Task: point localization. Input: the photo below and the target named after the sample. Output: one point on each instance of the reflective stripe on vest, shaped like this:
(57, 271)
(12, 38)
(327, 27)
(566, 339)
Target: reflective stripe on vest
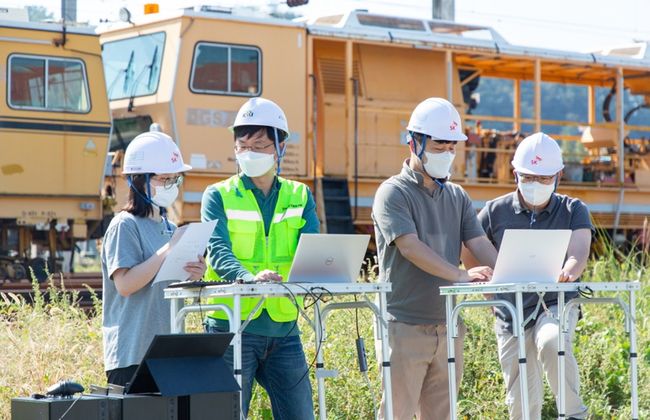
(257, 251)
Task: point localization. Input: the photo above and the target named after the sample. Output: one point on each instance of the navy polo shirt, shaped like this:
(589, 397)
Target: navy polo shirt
(506, 212)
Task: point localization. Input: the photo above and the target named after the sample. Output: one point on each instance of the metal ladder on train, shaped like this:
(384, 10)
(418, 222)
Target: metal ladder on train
(336, 200)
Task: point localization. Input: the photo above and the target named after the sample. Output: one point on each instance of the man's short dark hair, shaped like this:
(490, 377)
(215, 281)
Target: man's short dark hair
(244, 131)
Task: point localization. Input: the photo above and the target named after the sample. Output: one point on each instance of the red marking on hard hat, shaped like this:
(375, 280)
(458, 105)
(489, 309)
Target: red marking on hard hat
(174, 157)
(453, 125)
(536, 160)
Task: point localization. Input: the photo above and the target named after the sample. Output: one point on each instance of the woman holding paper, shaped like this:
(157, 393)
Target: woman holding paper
(135, 245)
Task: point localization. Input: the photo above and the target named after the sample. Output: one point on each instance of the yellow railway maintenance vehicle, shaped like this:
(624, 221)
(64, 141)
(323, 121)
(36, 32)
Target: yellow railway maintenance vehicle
(348, 84)
(54, 131)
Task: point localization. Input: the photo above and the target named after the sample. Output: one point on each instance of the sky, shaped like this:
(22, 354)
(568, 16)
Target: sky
(575, 25)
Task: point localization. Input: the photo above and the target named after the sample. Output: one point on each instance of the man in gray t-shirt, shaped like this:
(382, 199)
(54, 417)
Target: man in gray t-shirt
(421, 220)
(535, 205)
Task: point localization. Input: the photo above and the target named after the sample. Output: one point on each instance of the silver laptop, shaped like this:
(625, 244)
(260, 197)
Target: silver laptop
(531, 256)
(328, 258)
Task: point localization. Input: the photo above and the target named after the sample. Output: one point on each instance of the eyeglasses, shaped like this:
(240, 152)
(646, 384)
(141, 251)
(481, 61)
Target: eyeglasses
(169, 181)
(526, 178)
(254, 148)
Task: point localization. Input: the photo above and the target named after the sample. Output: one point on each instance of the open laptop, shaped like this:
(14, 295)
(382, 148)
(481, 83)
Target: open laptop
(328, 258)
(531, 256)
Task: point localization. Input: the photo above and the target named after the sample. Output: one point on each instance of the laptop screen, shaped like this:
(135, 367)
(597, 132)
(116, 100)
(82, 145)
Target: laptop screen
(328, 258)
(531, 255)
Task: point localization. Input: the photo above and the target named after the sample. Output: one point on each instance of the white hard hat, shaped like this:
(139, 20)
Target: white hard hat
(153, 152)
(260, 111)
(538, 154)
(438, 118)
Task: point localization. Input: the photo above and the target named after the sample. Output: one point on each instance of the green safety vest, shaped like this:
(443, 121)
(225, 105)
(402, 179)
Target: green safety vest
(256, 250)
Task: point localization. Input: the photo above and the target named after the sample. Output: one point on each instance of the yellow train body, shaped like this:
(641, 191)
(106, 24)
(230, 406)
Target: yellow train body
(348, 84)
(54, 131)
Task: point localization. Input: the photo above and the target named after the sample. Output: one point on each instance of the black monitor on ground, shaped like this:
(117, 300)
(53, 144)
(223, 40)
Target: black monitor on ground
(184, 364)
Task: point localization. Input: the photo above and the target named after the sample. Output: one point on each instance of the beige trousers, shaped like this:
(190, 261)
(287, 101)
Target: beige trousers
(419, 376)
(541, 357)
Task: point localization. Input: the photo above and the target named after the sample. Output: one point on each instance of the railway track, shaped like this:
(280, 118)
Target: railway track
(78, 282)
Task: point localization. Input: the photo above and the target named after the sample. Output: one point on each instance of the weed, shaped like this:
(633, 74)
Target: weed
(53, 339)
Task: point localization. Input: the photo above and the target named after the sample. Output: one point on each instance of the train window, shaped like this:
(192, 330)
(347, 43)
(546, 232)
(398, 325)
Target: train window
(132, 65)
(48, 83)
(125, 130)
(226, 69)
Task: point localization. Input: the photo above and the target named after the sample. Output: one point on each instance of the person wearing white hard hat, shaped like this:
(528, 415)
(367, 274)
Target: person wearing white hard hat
(134, 247)
(261, 216)
(534, 204)
(421, 219)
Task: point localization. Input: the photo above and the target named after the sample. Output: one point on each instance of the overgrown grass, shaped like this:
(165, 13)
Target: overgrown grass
(45, 342)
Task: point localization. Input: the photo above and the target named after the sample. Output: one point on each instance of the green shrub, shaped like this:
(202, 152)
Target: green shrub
(45, 342)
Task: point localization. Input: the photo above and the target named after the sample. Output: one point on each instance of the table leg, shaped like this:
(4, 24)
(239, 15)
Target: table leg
(633, 358)
(175, 306)
(561, 397)
(237, 342)
(320, 366)
(523, 377)
(385, 355)
(451, 357)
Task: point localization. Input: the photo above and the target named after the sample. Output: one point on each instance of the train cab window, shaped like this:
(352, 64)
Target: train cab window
(132, 65)
(48, 83)
(226, 69)
(125, 130)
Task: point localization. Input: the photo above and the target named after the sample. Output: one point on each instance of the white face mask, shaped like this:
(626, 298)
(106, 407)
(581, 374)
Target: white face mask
(438, 164)
(164, 197)
(535, 193)
(255, 164)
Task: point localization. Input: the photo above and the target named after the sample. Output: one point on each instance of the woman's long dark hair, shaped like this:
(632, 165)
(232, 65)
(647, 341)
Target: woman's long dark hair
(136, 203)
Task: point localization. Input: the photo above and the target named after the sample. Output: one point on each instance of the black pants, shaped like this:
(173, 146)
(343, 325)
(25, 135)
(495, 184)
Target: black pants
(121, 376)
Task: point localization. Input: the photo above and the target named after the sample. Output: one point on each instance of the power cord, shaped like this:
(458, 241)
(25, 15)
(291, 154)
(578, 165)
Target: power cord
(316, 297)
(201, 289)
(70, 407)
(372, 394)
(586, 292)
(361, 347)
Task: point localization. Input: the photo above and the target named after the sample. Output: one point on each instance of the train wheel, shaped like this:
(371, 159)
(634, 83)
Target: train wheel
(39, 268)
(19, 272)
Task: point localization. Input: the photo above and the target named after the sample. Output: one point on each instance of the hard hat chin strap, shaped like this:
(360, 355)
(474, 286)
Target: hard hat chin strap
(280, 152)
(147, 198)
(413, 144)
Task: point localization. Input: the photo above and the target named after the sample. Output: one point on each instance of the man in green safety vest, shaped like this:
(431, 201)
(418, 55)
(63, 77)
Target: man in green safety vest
(261, 217)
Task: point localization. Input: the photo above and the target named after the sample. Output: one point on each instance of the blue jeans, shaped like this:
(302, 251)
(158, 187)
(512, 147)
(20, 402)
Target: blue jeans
(278, 365)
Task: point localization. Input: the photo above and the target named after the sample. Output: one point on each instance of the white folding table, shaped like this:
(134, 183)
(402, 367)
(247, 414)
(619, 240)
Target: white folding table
(619, 289)
(179, 312)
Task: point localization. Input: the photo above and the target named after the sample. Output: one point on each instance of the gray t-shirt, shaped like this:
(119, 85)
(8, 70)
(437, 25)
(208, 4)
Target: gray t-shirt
(506, 212)
(442, 220)
(130, 323)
